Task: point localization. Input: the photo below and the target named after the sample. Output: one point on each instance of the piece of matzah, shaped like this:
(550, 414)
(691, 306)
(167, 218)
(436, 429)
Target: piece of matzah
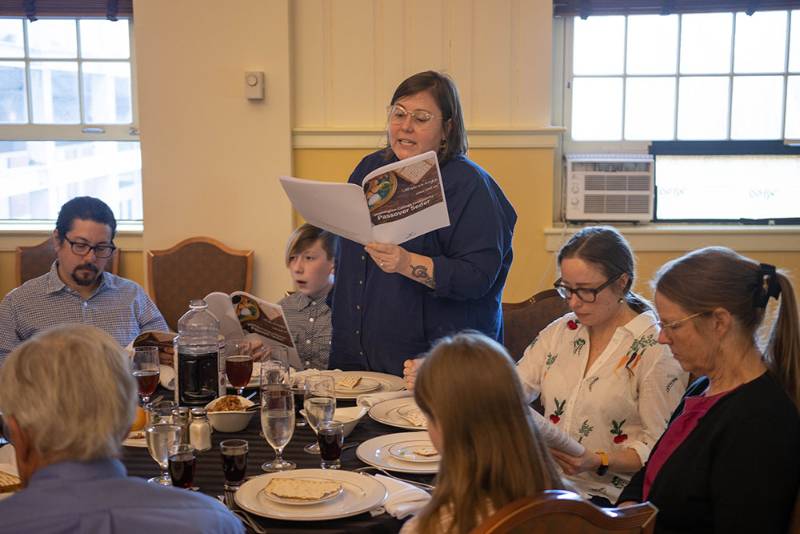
(414, 173)
(9, 482)
(302, 489)
(425, 451)
(415, 417)
(349, 382)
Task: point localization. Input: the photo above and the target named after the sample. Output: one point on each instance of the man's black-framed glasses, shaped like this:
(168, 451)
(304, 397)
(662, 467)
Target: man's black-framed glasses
(586, 294)
(101, 251)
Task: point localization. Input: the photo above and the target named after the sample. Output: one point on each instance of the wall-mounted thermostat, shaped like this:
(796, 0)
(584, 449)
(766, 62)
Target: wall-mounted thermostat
(254, 85)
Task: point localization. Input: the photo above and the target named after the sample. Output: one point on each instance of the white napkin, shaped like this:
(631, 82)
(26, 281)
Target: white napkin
(556, 438)
(166, 376)
(370, 400)
(404, 499)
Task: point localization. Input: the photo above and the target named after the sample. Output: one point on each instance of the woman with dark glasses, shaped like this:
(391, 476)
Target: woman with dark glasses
(599, 371)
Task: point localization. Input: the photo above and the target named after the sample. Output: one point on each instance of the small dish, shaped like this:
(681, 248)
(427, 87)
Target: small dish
(230, 421)
(407, 451)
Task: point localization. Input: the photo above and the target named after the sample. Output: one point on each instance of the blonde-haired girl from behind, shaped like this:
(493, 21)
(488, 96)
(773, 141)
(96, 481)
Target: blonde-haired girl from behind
(479, 421)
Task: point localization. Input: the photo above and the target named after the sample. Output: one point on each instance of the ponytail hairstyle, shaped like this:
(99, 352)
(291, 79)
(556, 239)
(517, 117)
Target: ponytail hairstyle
(605, 247)
(492, 451)
(718, 277)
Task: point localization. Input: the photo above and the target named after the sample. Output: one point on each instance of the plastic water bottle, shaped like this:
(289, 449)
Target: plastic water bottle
(197, 361)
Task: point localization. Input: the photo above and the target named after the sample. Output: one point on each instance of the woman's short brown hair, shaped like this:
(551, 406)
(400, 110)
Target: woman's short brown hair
(444, 91)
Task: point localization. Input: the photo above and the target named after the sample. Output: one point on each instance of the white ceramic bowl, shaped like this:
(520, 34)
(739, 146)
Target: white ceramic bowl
(349, 417)
(229, 421)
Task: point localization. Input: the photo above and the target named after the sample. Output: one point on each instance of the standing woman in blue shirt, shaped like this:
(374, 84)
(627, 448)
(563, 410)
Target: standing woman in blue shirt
(391, 302)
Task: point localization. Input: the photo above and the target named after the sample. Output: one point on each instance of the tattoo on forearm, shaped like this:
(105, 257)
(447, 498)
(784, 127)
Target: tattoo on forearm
(420, 273)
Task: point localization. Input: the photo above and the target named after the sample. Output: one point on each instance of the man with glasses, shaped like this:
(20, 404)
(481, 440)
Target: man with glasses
(77, 289)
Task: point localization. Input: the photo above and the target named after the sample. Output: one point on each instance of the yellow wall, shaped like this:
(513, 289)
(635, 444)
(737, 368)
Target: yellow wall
(210, 157)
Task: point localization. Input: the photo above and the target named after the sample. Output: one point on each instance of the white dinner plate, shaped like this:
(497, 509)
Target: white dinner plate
(375, 452)
(136, 441)
(385, 383)
(406, 451)
(360, 493)
(301, 502)
(391, 413)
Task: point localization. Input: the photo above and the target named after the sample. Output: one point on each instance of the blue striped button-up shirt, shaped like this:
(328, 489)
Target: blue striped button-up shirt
(118, 306)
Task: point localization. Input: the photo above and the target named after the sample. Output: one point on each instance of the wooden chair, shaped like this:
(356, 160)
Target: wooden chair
(558, 511)
(191, 270)
(522, 321)
(36, 260)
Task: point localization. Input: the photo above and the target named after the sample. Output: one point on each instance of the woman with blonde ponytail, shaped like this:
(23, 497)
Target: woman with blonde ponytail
(728, 462)
(480, 423)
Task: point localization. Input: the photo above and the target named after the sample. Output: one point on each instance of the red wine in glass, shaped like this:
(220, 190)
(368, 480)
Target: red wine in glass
(234, 466)
(181, 469)
(147, 380)
(239, 368)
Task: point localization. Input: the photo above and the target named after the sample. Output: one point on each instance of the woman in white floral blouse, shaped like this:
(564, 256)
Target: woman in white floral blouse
(600, 373)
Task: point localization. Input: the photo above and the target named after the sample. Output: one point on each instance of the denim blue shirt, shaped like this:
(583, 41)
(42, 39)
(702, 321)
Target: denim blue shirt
(381, 319)
(98, 498)
(118, 306)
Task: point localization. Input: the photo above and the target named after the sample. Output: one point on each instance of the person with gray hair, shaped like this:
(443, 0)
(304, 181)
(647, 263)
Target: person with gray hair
(67, 437)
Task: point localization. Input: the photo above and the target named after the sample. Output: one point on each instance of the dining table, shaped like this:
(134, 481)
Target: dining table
(209, 478)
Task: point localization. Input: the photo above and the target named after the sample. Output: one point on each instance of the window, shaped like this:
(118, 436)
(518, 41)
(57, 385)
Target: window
(633, 80)
(67, 114)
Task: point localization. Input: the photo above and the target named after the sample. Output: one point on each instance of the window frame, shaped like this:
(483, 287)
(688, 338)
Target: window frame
(82, 131)
(563, 37)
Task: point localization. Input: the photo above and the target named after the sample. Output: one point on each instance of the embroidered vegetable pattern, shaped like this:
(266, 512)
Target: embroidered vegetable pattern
(555, 417)
(577, 345)
(584, 430)
(551, 359)
(671, 383)
(593, 381)
(616, 429)
(634, 355)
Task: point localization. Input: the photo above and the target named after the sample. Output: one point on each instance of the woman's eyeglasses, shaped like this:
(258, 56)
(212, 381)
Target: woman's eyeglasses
(670, 327)
(420, 117)
(586, 294)
(101, 251)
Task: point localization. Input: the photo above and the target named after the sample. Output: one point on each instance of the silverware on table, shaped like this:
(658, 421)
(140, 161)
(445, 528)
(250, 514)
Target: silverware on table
(420, 485)
(243, 516)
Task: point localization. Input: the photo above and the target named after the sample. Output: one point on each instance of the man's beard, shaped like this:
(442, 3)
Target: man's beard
(85, 281)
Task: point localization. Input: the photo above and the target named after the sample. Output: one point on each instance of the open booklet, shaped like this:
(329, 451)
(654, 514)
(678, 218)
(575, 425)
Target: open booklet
(242, 315)
(395, 203)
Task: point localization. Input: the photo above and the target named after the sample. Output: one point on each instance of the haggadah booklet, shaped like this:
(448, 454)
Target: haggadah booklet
(395, 203)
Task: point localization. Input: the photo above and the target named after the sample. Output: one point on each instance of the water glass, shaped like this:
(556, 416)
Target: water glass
(160, 412)
(145, 369)
(274, 372)
(234, 461)
(161, 438)
(330, 437)
(239, 365)
(277, 423)
(319, 404)
(182, 463)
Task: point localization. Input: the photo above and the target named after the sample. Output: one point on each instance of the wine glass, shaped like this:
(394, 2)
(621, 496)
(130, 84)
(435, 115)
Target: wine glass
(277, 422)
(319, 404)
(274, 372)
(145, 369)
(161, 439)
(239, 365)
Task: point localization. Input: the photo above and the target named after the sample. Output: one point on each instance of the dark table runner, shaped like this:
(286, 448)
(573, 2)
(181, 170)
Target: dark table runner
(209, 478)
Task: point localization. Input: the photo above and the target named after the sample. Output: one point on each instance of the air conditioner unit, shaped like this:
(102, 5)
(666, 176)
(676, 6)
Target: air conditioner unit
(609, 187)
